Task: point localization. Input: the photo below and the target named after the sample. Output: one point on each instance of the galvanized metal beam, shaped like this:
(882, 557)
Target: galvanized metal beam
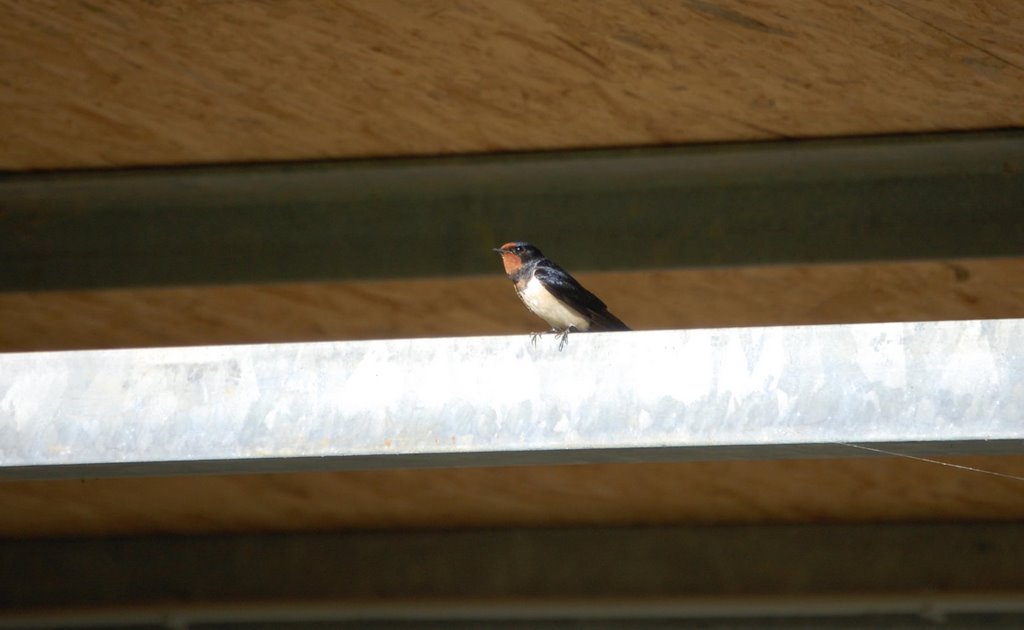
(864, 576)
(807, 391)
(887, 198)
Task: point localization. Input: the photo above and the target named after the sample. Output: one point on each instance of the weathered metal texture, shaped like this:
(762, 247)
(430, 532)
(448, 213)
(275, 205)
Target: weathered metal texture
(955, 195)
(937, 387)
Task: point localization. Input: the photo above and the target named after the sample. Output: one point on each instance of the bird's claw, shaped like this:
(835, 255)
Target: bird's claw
(563, 337)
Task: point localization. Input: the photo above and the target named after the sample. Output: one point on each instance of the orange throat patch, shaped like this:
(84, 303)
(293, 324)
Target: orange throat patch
(511, 261)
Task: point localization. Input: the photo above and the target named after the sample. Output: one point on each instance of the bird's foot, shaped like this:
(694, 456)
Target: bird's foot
(534, 336)
(537, 335)
(563, 337)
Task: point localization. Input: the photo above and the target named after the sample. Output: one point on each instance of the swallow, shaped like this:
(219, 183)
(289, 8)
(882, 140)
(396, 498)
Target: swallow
(553, 295)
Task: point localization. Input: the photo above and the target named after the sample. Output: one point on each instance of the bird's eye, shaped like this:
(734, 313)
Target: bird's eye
(518, 249)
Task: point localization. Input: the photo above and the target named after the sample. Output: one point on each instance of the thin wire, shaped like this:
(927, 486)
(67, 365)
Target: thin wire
(932, 461)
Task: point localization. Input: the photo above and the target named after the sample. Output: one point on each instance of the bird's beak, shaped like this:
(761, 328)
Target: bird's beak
(499, 250)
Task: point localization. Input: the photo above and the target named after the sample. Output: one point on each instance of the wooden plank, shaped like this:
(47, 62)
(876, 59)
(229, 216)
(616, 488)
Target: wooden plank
(142, 83)
(751, 492)
(697, 298)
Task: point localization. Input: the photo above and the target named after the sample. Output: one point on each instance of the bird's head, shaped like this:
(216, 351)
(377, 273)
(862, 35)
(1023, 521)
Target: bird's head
(516, 253)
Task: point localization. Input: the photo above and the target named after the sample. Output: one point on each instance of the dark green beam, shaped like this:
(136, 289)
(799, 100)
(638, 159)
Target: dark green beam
(529, 575)
(955, 195)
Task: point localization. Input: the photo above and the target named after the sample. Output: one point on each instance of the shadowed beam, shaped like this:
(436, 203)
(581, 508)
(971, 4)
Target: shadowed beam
(886, 198)
(723, 577)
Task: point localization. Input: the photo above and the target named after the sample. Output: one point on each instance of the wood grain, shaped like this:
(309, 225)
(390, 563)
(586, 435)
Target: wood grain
(747, 296)
(797, 491)
(134, 82)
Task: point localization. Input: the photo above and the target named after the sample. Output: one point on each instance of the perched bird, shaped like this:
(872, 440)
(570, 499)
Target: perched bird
(553, 295)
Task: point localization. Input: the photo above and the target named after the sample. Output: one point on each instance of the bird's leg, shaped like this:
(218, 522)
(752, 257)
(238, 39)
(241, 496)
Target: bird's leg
(563, 337)
(535, 336)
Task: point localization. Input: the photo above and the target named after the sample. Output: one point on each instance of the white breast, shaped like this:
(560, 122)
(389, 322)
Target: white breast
(543, 304)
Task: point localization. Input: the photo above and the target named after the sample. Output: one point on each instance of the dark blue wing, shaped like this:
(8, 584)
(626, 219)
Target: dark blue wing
(567, 289)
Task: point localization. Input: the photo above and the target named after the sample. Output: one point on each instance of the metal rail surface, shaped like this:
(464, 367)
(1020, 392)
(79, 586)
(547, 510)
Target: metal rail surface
(953, 387)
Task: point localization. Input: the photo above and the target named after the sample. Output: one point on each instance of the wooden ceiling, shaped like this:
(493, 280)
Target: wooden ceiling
(326, 311)
(135, 83)
(106, 84)
(705, 493)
